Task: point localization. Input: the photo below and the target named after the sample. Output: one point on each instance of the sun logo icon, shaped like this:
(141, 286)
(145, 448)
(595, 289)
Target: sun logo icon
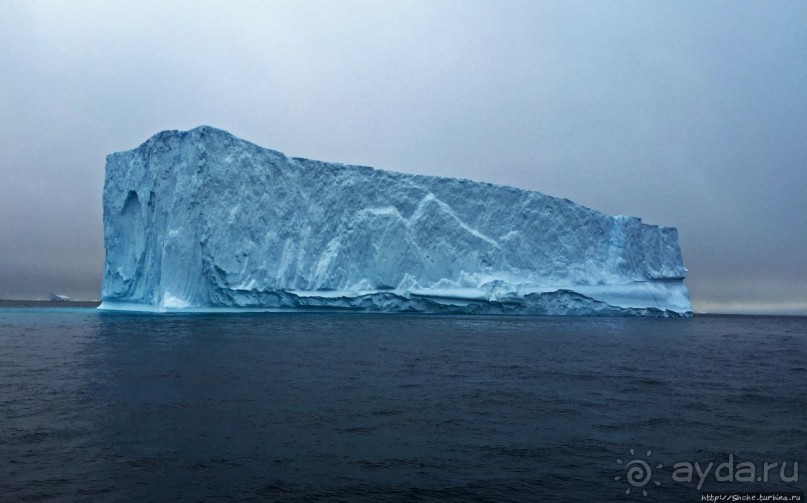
(639, 473)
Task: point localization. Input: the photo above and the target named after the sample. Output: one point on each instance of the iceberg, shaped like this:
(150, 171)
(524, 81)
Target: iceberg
(201, 220)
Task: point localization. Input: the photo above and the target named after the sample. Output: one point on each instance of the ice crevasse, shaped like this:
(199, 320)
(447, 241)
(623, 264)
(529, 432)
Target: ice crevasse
(201, 220)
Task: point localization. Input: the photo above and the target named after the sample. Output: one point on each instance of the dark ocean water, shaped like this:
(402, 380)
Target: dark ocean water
(334, 407)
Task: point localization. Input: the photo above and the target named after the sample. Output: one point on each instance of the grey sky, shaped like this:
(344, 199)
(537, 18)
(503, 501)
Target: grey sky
(689, 114)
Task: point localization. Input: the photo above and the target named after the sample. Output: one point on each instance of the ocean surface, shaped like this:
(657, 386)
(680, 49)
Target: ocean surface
(345, 407)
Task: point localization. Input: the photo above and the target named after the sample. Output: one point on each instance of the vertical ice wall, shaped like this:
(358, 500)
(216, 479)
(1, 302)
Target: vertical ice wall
(201, 219)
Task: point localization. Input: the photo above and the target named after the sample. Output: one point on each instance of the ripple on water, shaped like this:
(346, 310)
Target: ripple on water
(324, 407)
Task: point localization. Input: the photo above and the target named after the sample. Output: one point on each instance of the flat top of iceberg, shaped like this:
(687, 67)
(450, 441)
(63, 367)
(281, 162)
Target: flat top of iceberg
(205, 131)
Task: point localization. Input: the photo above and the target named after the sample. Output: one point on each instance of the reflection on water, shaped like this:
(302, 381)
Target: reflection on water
(329, 406)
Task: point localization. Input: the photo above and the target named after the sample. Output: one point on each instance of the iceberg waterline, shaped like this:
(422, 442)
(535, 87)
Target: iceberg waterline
(201, 220)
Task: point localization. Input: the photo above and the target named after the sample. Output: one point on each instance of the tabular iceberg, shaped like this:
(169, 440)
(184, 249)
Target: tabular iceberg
(202, 220)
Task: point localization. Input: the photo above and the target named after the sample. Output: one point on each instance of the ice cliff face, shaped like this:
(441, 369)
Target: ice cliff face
(203, 220)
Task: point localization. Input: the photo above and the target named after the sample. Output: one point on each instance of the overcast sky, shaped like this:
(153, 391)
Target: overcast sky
(687, 114)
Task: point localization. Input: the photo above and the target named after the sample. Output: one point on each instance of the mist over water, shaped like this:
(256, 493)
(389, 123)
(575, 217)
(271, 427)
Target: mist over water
(690, 114)
(302, 407)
